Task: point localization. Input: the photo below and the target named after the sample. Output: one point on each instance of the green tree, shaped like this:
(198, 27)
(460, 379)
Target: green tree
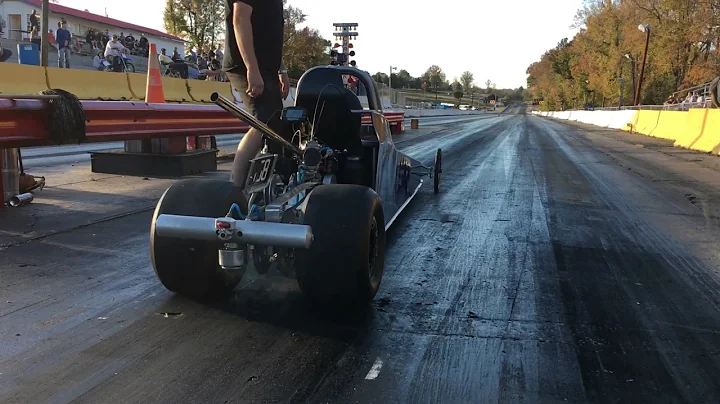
(198, 21)
(402, 79)
(467, 80)
(435, 77)
(380, 78)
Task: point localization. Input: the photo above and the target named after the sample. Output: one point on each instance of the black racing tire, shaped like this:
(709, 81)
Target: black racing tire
(346, 261)
(191, 267)
(437, 170)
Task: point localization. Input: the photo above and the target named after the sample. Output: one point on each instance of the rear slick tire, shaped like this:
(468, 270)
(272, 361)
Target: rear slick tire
(345, 264)
(191, 267)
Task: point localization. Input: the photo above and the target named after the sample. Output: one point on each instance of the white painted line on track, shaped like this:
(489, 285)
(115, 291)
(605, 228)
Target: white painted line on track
(374, 370)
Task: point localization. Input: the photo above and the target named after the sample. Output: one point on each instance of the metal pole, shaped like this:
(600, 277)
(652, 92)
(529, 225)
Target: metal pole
(390, 78)
(642, 69)
(44, 33)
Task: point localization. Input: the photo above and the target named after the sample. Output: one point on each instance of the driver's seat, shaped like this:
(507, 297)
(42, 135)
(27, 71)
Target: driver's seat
(329, 105)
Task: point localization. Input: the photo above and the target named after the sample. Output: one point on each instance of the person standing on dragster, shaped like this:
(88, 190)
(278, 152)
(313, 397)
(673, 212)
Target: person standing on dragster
(253, 63)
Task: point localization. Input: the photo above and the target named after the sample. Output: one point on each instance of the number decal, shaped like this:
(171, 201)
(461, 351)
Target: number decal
(265, 170)
(260, 174)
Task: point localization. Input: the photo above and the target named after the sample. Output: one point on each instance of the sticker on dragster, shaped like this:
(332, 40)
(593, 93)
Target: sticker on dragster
(260, 174)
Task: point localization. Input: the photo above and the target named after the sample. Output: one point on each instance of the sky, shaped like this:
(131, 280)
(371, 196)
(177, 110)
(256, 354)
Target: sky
(495, 40)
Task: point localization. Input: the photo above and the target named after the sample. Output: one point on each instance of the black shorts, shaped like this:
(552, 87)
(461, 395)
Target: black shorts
(267, 107)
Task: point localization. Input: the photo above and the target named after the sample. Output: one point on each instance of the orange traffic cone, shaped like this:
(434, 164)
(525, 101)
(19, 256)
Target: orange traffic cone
(154, 89)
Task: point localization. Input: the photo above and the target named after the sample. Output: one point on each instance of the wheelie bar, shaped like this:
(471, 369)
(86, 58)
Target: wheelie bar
(228, 230)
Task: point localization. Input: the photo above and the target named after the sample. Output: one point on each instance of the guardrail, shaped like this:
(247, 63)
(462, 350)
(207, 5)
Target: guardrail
(24, 122)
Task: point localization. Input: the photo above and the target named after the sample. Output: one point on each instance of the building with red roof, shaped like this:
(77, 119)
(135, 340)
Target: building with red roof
(16, 17)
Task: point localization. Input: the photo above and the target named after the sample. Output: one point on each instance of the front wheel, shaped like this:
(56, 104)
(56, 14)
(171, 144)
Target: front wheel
(346, 261)
(129, 67)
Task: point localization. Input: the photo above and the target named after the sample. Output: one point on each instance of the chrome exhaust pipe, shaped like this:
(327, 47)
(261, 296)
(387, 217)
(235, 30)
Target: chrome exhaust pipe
(21, 199)
(228, 230)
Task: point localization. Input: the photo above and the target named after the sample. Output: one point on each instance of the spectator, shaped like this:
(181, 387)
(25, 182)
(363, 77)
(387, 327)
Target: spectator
(176, 54)
(89, 38)
(203, 62)
(99, 40)
(219, 54)
(98, 61)
(34, 21)
(143, 41)
(163, 58)
(63, 40)
(51, 38)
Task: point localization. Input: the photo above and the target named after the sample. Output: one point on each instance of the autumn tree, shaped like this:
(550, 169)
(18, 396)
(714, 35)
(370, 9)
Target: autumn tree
(304, 48)
(604, 56)
(201, 22)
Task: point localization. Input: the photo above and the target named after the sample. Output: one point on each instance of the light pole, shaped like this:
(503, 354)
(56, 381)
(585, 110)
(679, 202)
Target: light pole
(390, 82)
(646, 29)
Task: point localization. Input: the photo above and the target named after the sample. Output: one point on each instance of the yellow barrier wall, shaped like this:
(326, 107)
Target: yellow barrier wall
(96, 85)
(20, 79)
(646, 121)
(692, 136)
(711, 132)
(696, 129)
(201, 90)
(671, 125)
(137, 83)
(90, 84)
(176, 90)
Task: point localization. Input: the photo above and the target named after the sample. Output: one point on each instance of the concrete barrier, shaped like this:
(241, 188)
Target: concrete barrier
(697, 129)
(695, 136)
(202, 90)
(90, 85)
(605, 119)
(22, 79)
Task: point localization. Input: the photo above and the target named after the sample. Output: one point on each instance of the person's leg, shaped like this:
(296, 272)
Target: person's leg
(67, 57)
(266, 108)
(61, 52)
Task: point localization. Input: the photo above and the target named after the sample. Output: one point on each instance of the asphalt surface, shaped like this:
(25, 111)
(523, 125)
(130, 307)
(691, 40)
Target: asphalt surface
(559, 263)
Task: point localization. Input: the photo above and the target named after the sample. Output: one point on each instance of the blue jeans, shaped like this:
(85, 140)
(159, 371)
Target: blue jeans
(64, 55)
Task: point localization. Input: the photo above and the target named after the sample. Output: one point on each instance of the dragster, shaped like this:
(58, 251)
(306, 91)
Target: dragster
(320, 208)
